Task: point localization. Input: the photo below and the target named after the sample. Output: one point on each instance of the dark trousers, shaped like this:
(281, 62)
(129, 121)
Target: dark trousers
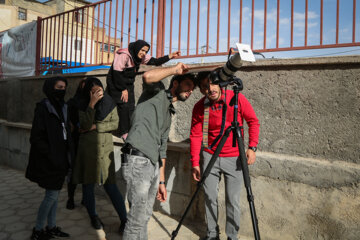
(71, 187)
(114, 194)
(125, 110)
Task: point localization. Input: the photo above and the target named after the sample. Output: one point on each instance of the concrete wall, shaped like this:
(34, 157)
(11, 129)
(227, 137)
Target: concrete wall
(306, 177)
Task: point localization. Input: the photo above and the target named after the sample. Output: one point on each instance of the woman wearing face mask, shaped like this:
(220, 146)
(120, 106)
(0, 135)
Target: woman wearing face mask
(94, 162)
(50, 154)
(121, 77)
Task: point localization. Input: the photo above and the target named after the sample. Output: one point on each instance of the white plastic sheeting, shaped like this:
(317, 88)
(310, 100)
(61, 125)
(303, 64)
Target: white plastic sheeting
(18, 51)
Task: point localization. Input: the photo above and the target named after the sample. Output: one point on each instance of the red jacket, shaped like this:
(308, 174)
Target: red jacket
(215, 119)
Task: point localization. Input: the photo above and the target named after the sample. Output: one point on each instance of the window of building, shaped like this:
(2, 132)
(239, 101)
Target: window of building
(106, 47)
(77, 45)
(22, 12)
(2, 1)
(79, 16)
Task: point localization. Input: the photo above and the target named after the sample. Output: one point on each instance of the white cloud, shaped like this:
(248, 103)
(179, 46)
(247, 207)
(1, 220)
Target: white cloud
(301, 16)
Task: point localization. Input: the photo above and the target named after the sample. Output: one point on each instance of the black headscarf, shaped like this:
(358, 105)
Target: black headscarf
(103, 107)
(134, 48)
(78, 94)
(53, 94)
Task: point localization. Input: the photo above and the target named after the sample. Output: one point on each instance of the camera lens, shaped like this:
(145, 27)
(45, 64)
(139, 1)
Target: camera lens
(231, 66)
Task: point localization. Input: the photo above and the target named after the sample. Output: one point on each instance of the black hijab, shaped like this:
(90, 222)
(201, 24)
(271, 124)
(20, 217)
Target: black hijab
(103, 107)
(78, 94)
(52, 94)
(134, 48)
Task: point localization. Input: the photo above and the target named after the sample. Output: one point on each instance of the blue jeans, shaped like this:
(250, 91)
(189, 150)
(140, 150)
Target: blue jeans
(114, 194)
(142, 182)
(47, 210)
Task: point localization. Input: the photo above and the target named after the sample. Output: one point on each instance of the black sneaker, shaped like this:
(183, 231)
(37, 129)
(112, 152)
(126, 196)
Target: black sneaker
(70, 204)
(96, 222)
(56, 232)
(39, 235)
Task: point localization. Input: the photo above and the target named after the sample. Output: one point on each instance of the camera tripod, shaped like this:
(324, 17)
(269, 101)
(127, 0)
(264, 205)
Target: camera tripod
(237, 137)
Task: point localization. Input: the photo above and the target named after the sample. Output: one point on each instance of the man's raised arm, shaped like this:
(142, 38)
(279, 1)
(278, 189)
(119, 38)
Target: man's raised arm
(156, 75)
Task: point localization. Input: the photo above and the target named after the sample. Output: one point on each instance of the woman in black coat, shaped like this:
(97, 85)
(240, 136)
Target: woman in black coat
(73, 106)
(50, 154)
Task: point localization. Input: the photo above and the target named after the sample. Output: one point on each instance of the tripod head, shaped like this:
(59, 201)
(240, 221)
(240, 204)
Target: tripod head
(236, 82)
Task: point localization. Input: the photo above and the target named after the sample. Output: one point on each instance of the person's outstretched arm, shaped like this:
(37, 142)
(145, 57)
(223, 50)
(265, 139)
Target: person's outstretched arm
(161, 60)
(156, 75)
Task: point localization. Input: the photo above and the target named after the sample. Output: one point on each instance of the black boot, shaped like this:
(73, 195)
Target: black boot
(56, 232)
(70, 204)
(96, 222)
(39, 235)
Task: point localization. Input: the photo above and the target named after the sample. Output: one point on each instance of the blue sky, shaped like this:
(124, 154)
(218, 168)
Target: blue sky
(329, 27)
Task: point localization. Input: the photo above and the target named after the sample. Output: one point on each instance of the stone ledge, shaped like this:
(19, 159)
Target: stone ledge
(15, 124)
(319, 173)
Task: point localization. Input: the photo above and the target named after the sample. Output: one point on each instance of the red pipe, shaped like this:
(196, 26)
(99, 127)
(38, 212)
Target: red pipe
(240, 27)
(218, 28)
(354, 20)
(72, 34)
(321, 21)
(76, 37)
(207, 28)
(137, 19)
(252, 24)
(306, 21)
(92, 35)
(116, 19)
(292, 24)
(197, 32)
(152, 26)
(229, 14)
(86, 38)
(188, 36)
(129, 29)
(171, 23)
(122, 25)
(265, 21)
(277, 23)
(337, 21)
(109, 34)
(144, 20)
(38, 46)
(180, 15)
(58, 42)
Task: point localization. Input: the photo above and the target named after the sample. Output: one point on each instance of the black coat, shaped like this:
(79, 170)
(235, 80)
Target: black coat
(50, 153)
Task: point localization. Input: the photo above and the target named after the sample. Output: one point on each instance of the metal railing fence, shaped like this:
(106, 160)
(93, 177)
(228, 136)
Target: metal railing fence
(89, 35)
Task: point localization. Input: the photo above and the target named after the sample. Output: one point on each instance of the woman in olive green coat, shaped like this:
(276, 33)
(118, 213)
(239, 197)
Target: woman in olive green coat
(94, 162)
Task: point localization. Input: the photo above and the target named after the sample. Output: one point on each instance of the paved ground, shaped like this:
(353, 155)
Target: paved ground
(20, 199)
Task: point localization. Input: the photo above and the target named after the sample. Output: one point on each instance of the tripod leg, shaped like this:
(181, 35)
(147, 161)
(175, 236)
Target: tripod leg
(247, 184)
(203, 177)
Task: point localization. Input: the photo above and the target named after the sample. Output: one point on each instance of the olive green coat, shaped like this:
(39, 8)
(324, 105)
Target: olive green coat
(95, 156)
